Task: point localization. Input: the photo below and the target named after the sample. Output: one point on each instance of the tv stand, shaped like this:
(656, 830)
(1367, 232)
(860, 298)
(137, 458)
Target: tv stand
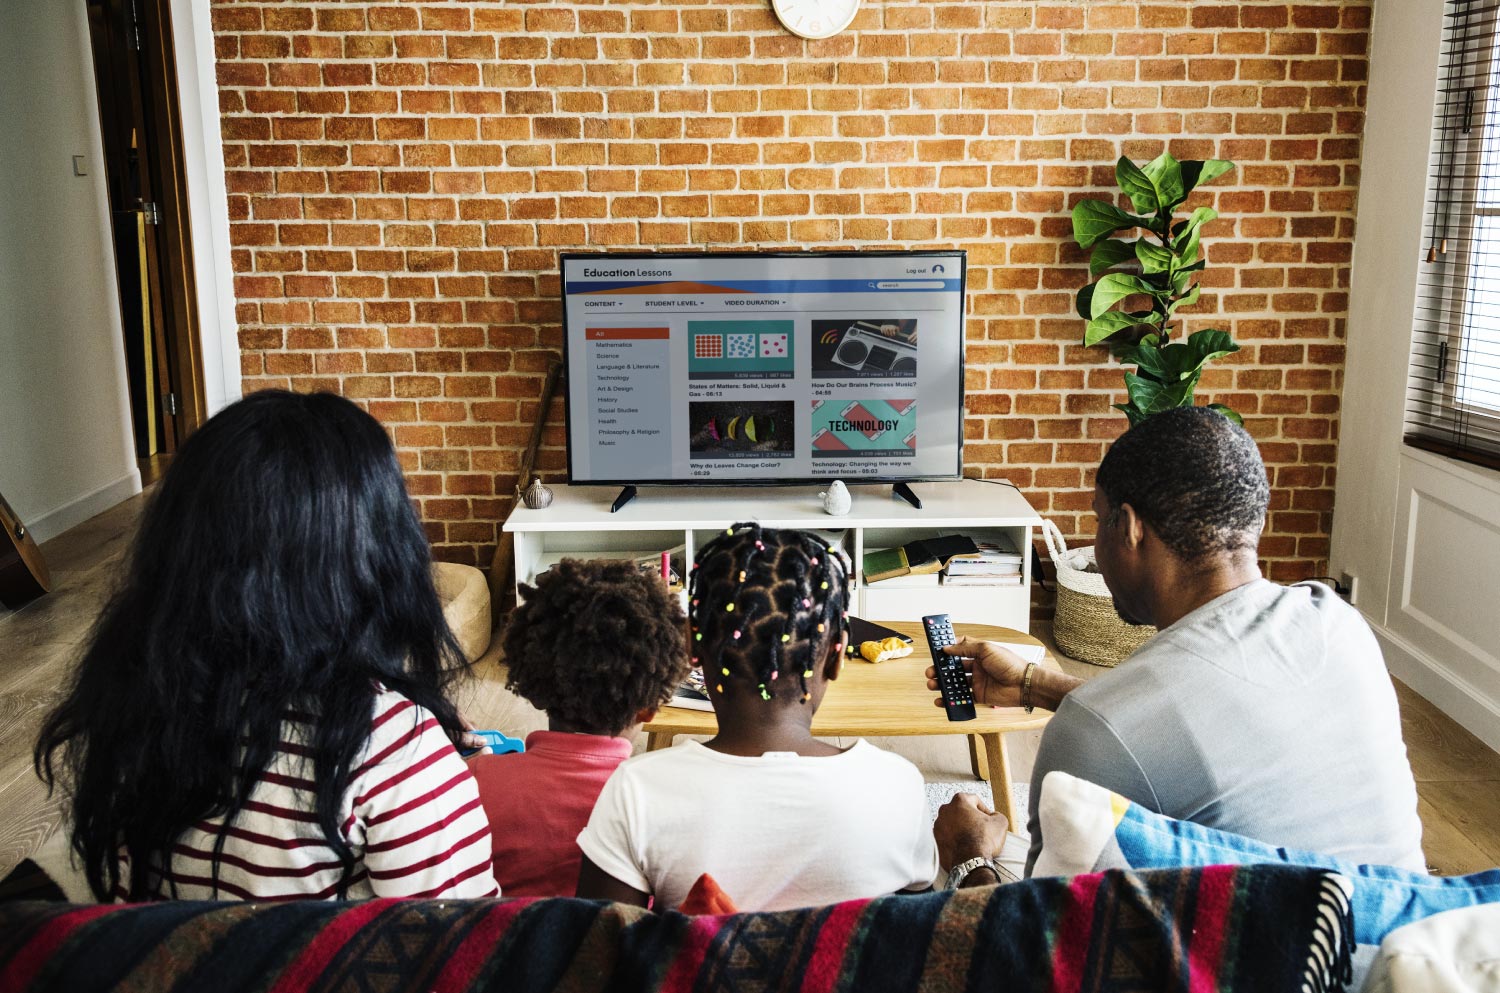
(579, 523)
(626, 495)
(905, 492)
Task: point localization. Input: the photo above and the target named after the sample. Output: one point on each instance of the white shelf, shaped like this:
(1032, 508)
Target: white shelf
(579, 524)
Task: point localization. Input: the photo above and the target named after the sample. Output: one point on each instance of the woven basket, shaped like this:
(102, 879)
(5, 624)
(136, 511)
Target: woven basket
(1086, 626)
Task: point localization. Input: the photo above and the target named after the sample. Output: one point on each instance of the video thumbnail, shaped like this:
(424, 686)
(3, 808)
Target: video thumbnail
(875, 428)
(735, 428)
(873, 348)
(719, 350)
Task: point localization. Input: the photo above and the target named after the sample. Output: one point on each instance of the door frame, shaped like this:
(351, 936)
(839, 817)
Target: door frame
(144, 29)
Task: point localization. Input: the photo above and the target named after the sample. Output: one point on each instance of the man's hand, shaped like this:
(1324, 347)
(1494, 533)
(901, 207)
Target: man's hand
(997, 674)
(967, 829)
(996, 671)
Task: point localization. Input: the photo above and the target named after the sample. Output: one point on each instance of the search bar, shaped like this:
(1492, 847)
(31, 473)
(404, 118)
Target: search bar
(910, 284)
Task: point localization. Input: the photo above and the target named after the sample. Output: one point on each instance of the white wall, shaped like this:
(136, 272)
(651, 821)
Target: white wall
(65, 439)
(1420, 532)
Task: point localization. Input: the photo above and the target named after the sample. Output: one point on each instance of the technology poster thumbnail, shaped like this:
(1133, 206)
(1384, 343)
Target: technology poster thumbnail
(868, 427)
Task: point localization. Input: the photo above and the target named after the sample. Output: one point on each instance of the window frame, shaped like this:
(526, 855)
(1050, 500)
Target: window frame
(1453, 302)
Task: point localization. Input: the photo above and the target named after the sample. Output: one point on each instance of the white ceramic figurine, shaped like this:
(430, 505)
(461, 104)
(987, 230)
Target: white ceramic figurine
(836, 500)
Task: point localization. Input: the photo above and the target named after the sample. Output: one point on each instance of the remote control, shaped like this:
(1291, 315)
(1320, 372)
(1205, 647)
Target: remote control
(953, 682)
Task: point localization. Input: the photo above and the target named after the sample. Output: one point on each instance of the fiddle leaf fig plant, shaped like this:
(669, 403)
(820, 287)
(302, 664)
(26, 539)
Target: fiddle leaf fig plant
(1158, 270)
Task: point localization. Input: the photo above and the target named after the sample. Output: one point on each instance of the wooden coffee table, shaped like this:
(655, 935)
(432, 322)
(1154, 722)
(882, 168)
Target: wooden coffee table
(893, 699)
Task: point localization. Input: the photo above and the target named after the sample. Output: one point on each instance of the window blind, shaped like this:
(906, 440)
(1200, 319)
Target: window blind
(1453, 390)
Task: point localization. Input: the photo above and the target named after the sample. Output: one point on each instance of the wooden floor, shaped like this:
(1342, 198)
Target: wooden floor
(1458, 778)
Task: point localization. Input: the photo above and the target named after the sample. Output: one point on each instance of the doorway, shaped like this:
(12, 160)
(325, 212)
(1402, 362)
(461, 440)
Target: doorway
(135, 75)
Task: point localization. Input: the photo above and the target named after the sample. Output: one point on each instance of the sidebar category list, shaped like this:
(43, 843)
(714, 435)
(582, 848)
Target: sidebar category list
(630, 402)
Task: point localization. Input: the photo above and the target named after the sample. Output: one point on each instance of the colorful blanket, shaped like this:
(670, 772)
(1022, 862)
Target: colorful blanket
(1087, 828)
(1261, 928)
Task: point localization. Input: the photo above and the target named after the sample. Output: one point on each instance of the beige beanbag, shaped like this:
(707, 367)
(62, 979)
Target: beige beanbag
(466, 605)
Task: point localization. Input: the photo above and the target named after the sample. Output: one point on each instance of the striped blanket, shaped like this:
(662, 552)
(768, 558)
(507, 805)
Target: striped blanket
(1261, 928)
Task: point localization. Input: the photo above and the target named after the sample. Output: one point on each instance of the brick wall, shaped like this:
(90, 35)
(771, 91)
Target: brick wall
(402, 176)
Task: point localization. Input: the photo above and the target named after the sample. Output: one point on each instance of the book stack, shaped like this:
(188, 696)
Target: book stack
(916, 563)
(996, 562)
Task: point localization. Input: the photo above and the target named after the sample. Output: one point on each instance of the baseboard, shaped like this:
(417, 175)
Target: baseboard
(74, 512)
(1446, 690)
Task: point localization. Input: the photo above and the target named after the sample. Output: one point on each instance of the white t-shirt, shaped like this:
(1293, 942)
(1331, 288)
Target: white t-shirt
(776, 831)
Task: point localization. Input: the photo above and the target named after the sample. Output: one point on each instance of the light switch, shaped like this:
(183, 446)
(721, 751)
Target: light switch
(79, 169)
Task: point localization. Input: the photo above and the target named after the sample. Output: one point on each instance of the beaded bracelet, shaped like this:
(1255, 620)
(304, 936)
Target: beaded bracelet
(1026, 687)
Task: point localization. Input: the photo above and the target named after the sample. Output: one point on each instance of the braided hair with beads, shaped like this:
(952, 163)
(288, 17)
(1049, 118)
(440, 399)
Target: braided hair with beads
(766, 604)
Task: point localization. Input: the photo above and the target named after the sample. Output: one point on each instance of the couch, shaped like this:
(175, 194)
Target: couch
(1246, 928)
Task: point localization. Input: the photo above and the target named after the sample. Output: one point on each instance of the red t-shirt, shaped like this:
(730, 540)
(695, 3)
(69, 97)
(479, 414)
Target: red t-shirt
(538, 801)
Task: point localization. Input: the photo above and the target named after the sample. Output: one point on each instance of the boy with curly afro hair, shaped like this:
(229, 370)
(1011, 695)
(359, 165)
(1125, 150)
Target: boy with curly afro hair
(598, 646)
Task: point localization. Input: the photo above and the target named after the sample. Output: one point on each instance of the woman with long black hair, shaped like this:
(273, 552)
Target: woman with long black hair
(261, 711)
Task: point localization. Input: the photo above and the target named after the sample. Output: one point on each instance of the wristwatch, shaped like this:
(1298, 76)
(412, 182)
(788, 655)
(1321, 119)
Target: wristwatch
(957, 873)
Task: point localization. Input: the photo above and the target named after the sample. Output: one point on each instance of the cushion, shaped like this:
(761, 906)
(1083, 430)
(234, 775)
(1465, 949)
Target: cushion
(1087, 828)
(1457, 951)
(707, 898)
(466, 605)
(29, 881)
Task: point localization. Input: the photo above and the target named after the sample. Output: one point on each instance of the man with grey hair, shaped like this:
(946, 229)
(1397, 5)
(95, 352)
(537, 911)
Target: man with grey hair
(1260, 709)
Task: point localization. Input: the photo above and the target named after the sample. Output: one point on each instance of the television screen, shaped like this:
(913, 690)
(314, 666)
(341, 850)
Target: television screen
(764, 367)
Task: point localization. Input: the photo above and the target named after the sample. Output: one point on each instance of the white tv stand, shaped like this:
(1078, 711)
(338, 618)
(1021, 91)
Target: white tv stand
(579, 524)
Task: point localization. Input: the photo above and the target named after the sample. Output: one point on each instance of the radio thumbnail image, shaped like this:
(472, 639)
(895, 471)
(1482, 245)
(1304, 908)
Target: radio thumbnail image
(865, 348)
(740, 349)
(723, 428)
(864, 427)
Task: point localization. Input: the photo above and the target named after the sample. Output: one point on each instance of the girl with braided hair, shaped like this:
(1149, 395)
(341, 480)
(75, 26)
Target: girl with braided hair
(778, 818)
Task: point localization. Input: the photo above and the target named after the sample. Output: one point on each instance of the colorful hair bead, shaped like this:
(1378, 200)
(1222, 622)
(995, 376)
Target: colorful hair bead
(774, 675)
(719, 687)
(729, 531)
(806, 697)
(760, 546)
(742, 575)
(763, 694)
(820, 628)
(736, 635)
(807, 674)
(729, 609)
(695, 601)
(726, 670)
(806, 602)
(786, 637)
(697, 635)
(814, 560)
(824, 585)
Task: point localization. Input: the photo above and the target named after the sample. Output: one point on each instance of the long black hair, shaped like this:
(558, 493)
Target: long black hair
(279, 573)
(767, 604)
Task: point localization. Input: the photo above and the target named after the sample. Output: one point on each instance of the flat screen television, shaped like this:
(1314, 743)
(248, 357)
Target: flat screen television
(764, 367)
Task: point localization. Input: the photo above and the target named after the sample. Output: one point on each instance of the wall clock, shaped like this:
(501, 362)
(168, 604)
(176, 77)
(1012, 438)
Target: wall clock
(815, 18)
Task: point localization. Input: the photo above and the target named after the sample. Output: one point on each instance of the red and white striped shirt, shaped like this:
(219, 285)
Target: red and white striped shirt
(411, 814)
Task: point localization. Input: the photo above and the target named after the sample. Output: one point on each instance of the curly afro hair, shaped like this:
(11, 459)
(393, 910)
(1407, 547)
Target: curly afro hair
(595, 642)
(1195, 476)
